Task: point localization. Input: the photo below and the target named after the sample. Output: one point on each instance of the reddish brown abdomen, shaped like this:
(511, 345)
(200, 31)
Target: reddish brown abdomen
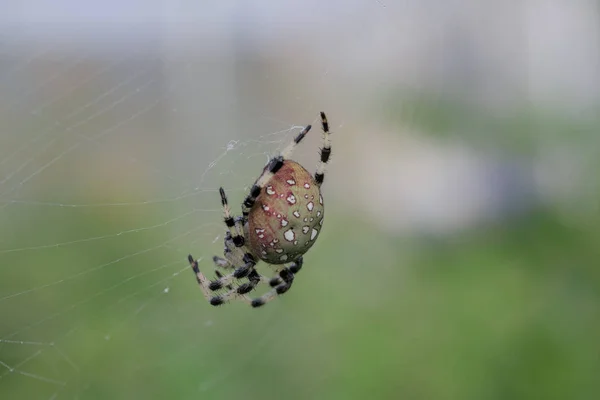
(287, 217)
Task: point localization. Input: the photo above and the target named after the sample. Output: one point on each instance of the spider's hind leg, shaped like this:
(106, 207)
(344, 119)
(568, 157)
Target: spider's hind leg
(279, 284)
(238, 292)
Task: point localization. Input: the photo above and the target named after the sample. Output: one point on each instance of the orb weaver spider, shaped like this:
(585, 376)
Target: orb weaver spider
(281, 219)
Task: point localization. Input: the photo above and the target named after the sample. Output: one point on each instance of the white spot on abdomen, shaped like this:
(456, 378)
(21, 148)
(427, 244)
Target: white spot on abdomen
(310, 206)
(291, 182)
(270, 190)
(296, 214)
(289, 235)
(283, 257)
(306, 185)
(320, 199)
(291, 199)
(279, 251)
(318, 213)
(284, 222)
(313, 234)
(305, 229)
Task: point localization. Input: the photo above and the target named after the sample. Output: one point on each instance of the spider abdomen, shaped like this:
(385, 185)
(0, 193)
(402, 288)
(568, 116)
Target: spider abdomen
(287, 216)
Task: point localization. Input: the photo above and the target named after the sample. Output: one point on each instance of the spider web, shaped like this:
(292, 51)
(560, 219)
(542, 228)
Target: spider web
(120, 120)
(111, 155)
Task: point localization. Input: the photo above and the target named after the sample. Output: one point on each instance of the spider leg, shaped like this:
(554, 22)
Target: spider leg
(200, 278)
(289, 149)
(238, 273)
(220, 275)
(224, 263)
(271, 169)
(240, 291)
(286, 277)
(279, 284)
(294, 267)
(325, 151)
(236, 235)
(221, 262)
(208, 287)
(235, 249)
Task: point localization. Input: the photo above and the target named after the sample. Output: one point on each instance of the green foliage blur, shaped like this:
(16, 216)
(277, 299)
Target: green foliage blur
(509, 310)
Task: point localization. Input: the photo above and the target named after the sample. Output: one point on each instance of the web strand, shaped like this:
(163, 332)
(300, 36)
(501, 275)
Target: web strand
(78, 269)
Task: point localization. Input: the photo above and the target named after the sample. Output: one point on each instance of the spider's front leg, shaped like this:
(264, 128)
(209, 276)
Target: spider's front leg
(270, 170)
(325, 151)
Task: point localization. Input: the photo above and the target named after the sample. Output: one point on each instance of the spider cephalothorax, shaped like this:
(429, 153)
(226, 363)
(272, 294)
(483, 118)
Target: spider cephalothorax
(281, 219)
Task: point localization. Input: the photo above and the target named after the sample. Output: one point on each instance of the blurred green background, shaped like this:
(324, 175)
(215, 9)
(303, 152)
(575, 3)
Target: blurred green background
(459, 256)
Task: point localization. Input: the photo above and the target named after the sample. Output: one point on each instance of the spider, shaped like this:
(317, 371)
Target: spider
(281, 219)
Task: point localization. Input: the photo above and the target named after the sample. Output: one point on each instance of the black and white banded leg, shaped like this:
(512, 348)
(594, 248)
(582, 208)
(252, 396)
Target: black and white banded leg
(230, 222)
(271, 169)
(208, 287)
(240, 291)
(224, 264)
(279, 284)
(235, 248)
(325, 151)
(221, 262)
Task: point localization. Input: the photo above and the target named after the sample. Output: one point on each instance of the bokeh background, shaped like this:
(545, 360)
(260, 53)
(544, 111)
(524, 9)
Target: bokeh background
(459, 256)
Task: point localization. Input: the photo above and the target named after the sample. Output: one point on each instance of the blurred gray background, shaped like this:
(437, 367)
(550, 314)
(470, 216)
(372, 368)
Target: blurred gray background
(459, 255)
